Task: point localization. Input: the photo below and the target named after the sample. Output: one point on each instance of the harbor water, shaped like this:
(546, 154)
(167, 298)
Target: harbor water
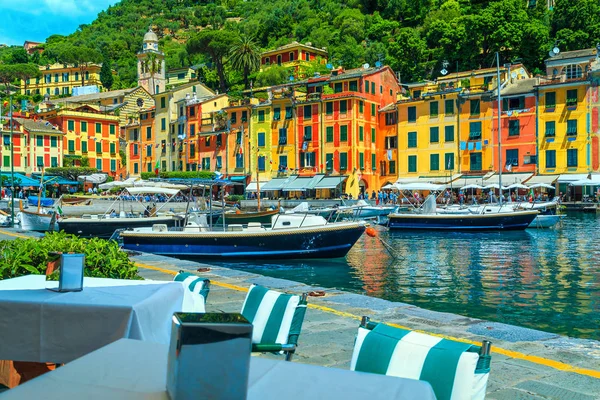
(541, 279)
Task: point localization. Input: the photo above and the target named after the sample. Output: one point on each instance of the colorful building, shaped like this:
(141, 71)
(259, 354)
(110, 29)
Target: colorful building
(37, 145)
(180, 76)
(238, 113)
(518, 129)
(151, 65)
(91, 137)
(60, 79)
(567, 144)
(141, 147)
(170, 121)
(294, 55)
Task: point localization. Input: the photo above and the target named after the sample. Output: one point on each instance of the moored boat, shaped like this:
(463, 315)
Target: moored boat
(290, 236)
(264, 217)
(545, 221)
(41, 220)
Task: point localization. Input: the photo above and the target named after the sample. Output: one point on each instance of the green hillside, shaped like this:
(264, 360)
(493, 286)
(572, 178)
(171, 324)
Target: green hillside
(414, 37)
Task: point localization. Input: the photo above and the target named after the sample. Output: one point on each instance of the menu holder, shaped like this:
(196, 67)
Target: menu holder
(70, 273)
(209, 356)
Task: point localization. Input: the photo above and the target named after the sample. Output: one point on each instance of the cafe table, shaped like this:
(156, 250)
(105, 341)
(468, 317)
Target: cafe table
(136, 370)
(41, 325)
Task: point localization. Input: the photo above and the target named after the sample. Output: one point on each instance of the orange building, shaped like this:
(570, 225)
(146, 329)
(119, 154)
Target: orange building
(338, 124)
(141, 148)
(89, 135)
(518, 133)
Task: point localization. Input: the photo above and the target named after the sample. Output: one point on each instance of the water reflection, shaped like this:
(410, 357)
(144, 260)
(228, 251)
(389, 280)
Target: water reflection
(541, 279)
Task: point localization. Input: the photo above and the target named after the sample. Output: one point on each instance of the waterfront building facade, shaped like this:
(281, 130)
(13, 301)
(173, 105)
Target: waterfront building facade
(90, 137)
(37, 145)
(60, 79)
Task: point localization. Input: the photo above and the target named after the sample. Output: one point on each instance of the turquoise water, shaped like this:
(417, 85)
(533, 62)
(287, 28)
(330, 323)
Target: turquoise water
(542, 279)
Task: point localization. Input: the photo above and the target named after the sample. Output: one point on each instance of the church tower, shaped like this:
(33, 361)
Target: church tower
(151, 65)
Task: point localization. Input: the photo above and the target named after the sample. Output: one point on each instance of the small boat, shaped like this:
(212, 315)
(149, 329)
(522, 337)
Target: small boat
(104, 225)
(364, 210)
(264, 217)
(545, 221)
(290, 236)
(41, 201)
(71, 201)
(430, 219)
(41, 220)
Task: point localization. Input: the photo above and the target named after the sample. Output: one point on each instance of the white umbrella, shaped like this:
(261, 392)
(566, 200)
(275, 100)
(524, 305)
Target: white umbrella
(518, 186)
(471, 186)
(495, 186)
(388, 186)
(541, 185)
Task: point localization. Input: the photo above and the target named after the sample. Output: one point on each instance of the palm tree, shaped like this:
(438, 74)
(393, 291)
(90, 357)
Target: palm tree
(244, 56)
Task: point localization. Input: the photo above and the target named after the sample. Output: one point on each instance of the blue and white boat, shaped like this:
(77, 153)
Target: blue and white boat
(289, 236)
(486, 219)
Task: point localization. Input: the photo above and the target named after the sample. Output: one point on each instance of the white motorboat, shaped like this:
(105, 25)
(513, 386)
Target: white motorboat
(545, 221)
(364, 210)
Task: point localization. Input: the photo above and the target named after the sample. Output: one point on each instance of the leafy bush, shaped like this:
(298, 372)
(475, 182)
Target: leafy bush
(103, 259)
(236, 197)
(180, 175)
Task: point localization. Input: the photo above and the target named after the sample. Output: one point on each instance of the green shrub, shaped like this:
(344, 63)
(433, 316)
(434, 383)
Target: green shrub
(103, 258)
(236, 197)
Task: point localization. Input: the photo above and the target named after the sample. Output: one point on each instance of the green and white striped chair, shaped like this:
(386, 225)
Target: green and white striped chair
(455, 370)
(198, 289)
(276, 319)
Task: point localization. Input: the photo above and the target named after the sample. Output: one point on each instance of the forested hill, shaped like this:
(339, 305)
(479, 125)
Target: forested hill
(412, 36)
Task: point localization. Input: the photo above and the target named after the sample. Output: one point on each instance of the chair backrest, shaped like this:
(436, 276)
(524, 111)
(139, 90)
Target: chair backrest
(198, 288)
(455, 370)
(276, 317)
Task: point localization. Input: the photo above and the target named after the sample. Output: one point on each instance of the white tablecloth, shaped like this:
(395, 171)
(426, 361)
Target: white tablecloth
(134, 370)
(41, 325)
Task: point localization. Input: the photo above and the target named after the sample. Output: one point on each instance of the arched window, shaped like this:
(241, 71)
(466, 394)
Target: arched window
(291, 56)
(87, 75)
(573, 71)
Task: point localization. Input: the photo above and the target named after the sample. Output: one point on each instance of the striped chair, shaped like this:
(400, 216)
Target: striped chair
(455, 370)
(276, 318)
(199, 288)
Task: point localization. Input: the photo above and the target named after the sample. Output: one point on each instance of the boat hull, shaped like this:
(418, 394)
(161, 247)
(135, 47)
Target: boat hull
(462, 222)
(104, 228)
(37, 222)
(545, 221)
(316, 242)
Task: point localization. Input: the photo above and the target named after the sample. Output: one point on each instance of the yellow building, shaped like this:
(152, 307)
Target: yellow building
(261, 139)
(60, 79)
(428, 133)
(285, 148)
(446, 127)
(180, 76)
(564, 129)
(170, 114)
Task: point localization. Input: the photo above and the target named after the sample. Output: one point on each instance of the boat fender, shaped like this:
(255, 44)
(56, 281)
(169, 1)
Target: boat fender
(203, 269)
(317, 293)
(371, 232)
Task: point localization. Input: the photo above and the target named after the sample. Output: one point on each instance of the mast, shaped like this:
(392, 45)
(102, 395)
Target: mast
(499, 128)
(257, 184)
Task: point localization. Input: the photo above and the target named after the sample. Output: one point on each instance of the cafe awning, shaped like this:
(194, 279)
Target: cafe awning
(507, 179)
(20, 180)
(572, 177)
(548, 179)
(277, 183)
(299, 184)
(251, 187)
(330, 182)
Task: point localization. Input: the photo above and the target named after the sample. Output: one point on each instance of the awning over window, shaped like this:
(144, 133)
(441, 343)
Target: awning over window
(330, 182)
(299, 184)
(241, 178)
(276, 183)
(572, 177)
(507, 179)
(20, 180)
(251, 187)
(548, 179)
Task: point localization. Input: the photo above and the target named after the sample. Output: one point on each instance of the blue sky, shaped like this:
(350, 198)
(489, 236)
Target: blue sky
(35, 20)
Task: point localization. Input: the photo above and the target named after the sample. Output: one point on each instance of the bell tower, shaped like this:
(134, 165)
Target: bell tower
(151, 65)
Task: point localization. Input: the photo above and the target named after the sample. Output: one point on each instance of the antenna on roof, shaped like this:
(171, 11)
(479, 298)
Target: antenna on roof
(329, 66)
(366, 65)
(378, 64)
